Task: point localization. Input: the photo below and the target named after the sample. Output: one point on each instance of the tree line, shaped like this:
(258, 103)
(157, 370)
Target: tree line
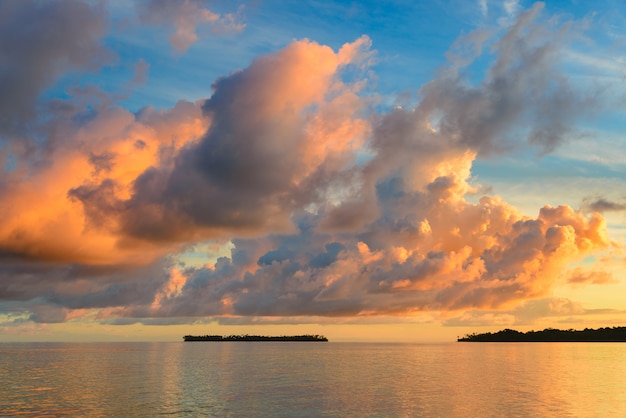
(614, 334)
(247, 337)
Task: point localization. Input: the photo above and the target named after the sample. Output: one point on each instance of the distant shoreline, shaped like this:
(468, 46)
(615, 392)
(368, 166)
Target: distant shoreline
(314, 338)
(615, 334)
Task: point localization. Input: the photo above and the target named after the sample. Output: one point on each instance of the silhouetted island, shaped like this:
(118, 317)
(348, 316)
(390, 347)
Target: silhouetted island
(615, 334)
(246, 337)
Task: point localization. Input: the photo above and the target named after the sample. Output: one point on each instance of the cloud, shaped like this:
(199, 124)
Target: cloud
(39, 42)
(523, 98)
(580, 276)
(456, 264)
(289, 103)
(140, 75)
(483, 7)
(511, 7)
(82, 178)
(81, 286)
(527, 313)
(185, 16)
(334, 207)
(124, 188)
(602, 205)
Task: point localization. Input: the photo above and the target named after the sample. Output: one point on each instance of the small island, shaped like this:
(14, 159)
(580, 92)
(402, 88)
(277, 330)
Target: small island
(615, 334)
(315, 338)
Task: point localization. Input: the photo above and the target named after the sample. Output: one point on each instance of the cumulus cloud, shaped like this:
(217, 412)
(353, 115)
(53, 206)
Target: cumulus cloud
(334, 208)
(498, 259)
(185, 16)
(87, 171)
(291, 103)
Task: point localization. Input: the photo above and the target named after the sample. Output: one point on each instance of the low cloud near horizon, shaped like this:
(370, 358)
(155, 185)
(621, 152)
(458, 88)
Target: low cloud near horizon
(333, 205)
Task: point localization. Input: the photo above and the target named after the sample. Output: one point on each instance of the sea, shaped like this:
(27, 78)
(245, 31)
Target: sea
(313, 379)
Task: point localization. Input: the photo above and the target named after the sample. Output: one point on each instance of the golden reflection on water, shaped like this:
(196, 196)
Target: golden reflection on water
(314, 379)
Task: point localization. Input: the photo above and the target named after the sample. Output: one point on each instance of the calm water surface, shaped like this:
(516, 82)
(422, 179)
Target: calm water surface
(273, 379)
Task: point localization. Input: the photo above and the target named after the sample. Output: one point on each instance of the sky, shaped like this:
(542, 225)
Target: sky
(369, 171)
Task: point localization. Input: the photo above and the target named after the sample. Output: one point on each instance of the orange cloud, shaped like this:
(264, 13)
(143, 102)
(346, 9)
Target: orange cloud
(43, 215)
(333, 208)
(579, 276)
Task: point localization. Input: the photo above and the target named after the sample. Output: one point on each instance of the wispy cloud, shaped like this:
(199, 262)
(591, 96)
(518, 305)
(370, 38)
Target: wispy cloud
(511, 7)
(185, 16)
(601, 205)
(557, 310)
(484, 9)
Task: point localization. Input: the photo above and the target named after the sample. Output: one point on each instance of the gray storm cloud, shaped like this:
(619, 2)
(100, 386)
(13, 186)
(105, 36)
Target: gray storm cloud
(524, 96)
(39, 42)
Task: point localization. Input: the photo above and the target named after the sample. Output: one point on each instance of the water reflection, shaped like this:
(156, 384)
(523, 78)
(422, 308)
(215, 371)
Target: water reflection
(311, 379)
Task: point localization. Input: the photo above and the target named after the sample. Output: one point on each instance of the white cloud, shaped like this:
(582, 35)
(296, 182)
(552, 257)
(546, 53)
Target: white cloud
(511, 7)
(483, 7)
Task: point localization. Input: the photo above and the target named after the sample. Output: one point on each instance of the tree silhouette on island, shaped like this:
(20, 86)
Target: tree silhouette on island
(318, 338)
(615, 334)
